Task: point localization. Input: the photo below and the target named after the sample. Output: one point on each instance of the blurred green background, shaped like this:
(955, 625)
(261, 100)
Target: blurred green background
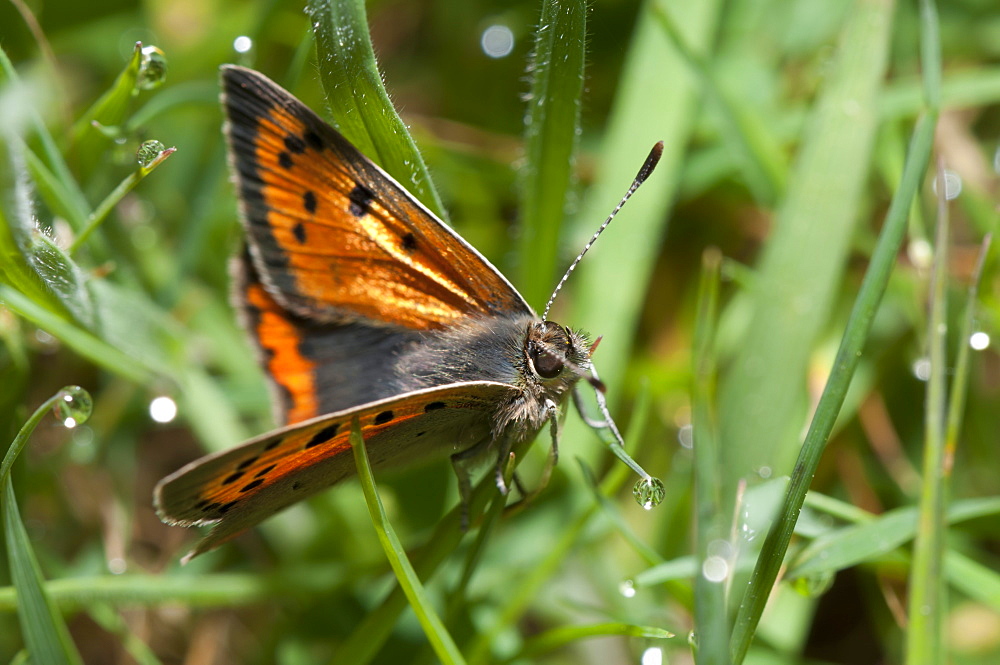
(786, 126)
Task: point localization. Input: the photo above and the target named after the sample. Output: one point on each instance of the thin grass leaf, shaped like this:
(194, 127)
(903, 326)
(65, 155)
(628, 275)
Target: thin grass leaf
(711, 614)
(557, 638)
(360, 105)
(924, 639)
(848, 355)
(81, 341)
(521, 594)
(45, 633)
(440, 639)
(95, 218)
(89, 143)
(763, 165)
(51, 156)
(806, 254)
(960, 382)
(551, 137)
(877, 536)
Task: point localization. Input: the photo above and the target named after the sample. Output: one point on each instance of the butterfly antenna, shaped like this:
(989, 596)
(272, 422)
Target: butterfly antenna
(647, 168)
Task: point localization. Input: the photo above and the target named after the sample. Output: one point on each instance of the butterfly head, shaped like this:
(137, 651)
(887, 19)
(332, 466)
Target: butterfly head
(556, 356)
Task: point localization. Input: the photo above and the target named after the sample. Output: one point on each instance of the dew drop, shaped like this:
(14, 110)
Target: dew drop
(73, 406)
(148, 152)
(649, 492)
(627, 589)
(152, 68)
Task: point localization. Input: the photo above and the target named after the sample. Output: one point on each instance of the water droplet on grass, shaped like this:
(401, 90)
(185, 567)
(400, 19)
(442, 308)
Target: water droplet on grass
(649, 492)
(73, 406)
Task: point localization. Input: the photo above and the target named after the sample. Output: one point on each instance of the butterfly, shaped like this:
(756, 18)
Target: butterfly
(363, 307)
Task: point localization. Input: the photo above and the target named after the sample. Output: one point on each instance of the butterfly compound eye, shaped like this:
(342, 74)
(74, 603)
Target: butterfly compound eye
(547, 364)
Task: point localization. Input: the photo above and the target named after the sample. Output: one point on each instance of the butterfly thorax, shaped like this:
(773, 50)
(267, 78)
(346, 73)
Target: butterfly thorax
(540, 358)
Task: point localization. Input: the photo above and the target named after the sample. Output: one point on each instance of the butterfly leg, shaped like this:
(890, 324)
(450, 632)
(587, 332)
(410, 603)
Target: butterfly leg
(584, 416)
(461, 462)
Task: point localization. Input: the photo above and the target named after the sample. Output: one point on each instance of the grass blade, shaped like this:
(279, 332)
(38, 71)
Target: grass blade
(439, 637)
(926, 597)
(851, 346)
(711, 615)
(551, 136)
(806, 254)
(44, 631)
(361, 107)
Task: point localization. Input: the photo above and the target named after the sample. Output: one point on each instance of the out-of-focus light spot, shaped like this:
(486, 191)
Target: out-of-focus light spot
(627, 589)
(242, 44)
(117, 566)
(979, 340)
(920, 253)
(685, 435)
(922, 368)
(715, 569)
(497, 41)
(952, 184)
(652, 656)
(163, 409)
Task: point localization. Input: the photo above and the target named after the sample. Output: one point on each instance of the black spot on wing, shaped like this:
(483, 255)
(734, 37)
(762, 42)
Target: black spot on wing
(263, 472)
(247, 462)
(434, 406)
(271, 445)
(285, 160)
(314, 140)
(409, 243)
(299, 232)
(294, 144)
(360, 197)
(384, 417)
(309, 202)
(323, 435)
(252, 484)
(233, 477)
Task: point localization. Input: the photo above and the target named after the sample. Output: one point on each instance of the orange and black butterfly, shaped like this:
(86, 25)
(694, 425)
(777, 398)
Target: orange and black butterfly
(363, 305)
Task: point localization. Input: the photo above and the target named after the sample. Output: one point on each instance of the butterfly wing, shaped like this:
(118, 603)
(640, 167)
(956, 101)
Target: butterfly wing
(315, 367)
(237, 488)
(333, 237)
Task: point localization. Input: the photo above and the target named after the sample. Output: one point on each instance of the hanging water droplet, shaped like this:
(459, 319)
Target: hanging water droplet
(73, 406)
(152, 69)
(148, 152)
(649, 492)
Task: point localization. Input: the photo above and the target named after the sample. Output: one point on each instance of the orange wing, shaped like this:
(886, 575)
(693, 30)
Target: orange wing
(333, 237)
(237, 488)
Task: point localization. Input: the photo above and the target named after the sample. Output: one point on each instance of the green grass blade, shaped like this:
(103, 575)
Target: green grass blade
(762, 401)
(711, 614)
(763, 165)
(960, 383)
(551, 136)
(444, 646)
(360, 105)
(926, 598)
(560, 637)
(858, 326)
(89, 143)
(44, 631)
(877, 536)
